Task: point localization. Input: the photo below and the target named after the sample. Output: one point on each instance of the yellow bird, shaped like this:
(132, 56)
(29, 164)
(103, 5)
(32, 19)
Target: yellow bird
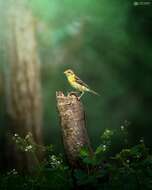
(77, 83)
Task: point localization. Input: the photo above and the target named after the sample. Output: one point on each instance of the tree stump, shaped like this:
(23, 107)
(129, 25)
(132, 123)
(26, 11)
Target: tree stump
(72, 120)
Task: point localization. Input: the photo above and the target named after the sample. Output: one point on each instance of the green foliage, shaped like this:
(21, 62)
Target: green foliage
(51, 173)
(50, 179)
(129, 169)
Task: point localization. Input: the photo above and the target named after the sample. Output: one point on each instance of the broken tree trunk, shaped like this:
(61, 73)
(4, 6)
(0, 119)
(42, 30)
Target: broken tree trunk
(74, 133)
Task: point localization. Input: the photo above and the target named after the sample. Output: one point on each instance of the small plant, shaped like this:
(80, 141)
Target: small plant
(27, 144)
(50, 173)
(131, 168)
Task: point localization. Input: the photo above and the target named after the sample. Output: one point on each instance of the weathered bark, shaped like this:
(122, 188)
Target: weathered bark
(23, 93)
(74, 133)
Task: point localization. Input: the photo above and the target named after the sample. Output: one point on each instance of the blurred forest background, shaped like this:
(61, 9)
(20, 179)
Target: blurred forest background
(107, 43)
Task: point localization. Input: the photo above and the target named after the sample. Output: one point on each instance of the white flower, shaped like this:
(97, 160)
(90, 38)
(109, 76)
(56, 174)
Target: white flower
(58, 162)
(28, 148)
(15, 135)
(128, 161)
(141, 140)
(107, 131)
(27, 136)
(53, 158)
(55, 162)
(104, 147)
(138, 156)
(135, 3)
(122, 127)
(14, 172)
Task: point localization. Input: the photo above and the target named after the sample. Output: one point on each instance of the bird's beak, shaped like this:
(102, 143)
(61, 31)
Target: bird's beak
(64, 72)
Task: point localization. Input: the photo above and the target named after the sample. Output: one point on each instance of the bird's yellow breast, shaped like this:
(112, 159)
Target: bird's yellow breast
(75, 84)
(71, 79)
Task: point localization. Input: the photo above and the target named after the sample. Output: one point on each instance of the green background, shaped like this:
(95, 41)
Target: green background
(108, 45)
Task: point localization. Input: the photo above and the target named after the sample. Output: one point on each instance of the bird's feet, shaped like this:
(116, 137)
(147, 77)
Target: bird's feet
(80, 95)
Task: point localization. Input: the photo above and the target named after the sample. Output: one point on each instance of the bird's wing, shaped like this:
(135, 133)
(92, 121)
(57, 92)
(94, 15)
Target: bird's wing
(78, 80)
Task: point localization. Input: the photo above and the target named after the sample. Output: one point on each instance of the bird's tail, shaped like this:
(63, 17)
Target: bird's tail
(93, 92)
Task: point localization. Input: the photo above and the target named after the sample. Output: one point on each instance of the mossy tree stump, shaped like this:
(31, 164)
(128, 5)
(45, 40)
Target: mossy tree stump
(72, 120)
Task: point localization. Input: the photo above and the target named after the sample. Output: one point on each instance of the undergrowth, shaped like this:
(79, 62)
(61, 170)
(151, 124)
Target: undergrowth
(128, 169)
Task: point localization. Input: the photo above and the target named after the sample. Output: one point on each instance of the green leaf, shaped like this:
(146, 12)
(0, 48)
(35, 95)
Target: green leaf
(84, 152)
(99, 149)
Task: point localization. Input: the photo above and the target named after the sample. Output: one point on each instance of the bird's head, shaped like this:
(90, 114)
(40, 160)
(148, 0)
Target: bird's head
(68, 72)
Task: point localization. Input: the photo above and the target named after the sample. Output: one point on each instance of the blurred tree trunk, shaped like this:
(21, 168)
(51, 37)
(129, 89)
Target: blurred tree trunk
(23, 93)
